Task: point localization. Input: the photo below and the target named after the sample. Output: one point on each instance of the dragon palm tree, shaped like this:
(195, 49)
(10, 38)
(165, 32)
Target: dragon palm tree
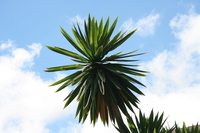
(103, 84)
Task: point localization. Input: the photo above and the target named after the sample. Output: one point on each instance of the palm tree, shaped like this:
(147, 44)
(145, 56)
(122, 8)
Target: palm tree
(103, 84)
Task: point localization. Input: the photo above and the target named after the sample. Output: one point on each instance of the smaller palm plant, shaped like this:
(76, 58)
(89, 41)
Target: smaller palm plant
(152, 124)
(155, 124)
(104, 86)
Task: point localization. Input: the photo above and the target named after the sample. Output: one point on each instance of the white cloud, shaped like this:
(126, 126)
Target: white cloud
(99, 128)
(78, 19)
(146, 26)
(185, 28)
(6, 45)
(88, 128)
(174, 81)
(27, 103)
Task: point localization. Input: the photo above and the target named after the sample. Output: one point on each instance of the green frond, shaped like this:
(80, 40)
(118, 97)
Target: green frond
(64, 68)
(68, 53)
(72, 76)
(71, 41)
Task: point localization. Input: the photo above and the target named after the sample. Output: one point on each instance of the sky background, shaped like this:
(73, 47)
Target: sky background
(170, 30)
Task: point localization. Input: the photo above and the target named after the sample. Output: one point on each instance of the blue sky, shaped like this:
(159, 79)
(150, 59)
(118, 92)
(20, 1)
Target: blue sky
(168, 29)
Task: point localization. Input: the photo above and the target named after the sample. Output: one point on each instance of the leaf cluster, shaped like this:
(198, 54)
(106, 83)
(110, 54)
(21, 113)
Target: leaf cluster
(142, 124)
(103, 84)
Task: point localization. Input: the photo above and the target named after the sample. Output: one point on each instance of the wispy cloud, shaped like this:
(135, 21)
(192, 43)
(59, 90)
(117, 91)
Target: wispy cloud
(27, 103)
(174, 81)
(6, 45)
(87, 127)
(78, 19)
(185, 28)
(146, 26)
